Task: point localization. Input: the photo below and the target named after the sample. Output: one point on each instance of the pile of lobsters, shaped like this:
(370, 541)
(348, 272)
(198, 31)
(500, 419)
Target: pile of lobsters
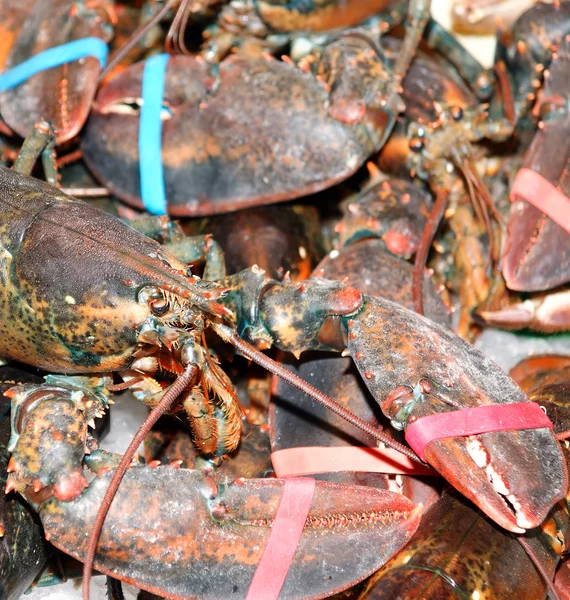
(282, 226)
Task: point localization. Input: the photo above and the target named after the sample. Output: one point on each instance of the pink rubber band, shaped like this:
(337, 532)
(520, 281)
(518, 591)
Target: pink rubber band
(323, 459)
(471, 421)
(283, 539)
(534, 188)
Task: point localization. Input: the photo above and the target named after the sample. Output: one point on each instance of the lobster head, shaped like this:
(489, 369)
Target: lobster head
(90, 284)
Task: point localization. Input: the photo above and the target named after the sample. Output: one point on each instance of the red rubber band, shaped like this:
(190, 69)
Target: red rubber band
(323, 459)
(534, 188)
(471, 421)
(283, 539)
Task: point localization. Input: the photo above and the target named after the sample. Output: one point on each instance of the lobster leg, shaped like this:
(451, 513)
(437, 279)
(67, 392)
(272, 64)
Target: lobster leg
(40, 141)
(188, 249)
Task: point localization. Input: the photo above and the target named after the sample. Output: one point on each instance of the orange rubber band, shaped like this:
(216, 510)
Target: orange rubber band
(284, 538)
(323, 459)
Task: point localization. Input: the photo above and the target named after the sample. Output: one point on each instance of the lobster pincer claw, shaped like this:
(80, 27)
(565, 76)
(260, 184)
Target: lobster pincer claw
(537, 250)
(63, 93)
(49, 432)
(195, 539)
(285, 314)
(415, 368)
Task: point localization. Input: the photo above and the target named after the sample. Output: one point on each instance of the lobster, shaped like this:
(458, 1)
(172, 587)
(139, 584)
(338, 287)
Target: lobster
(62, 94)
(50, 421)
(349, 91)
(127, 304)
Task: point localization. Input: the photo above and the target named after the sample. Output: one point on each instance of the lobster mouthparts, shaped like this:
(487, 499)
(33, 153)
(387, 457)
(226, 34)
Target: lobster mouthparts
(515, 477)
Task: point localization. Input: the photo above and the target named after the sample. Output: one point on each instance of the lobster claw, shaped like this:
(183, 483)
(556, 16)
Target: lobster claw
(537, 255)
(193, 539)
(62, 94)
(415, 368)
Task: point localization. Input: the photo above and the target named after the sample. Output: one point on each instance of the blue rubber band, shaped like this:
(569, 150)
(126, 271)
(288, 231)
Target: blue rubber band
(153, 192)
(54, 57)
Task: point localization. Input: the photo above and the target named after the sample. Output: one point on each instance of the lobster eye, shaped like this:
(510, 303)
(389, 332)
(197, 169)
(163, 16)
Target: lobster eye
(159, 306)
(417, 144)
(457, 113)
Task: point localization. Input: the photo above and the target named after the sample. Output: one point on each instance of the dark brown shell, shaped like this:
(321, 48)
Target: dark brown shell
(259, 133)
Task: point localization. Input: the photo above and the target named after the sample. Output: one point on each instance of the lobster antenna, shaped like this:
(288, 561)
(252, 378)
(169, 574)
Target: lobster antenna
(423, 249)
(181, 383)
(174, 43)
(482, 214)
(274, 367)
(539, 566)
(135, 38)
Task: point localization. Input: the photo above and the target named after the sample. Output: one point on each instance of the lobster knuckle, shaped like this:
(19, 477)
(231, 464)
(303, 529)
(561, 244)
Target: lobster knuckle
(295, 313)
(48, 442)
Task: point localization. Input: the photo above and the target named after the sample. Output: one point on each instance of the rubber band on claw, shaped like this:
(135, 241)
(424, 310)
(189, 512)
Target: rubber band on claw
(473, 421)
(153, 191)
(55, 57)
(534, 188)
(284, 538)
(320, 459)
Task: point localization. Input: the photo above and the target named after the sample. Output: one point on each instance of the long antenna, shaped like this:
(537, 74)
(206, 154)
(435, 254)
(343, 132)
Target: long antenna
(181, 383)
(274, 367)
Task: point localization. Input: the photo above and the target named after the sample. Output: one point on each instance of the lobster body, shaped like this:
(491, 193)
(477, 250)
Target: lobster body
(71, 273)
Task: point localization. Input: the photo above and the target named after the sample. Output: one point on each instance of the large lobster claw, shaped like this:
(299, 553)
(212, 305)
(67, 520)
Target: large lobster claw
(193, 539)
(62, 94)
(537, 254)
(414, 368)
